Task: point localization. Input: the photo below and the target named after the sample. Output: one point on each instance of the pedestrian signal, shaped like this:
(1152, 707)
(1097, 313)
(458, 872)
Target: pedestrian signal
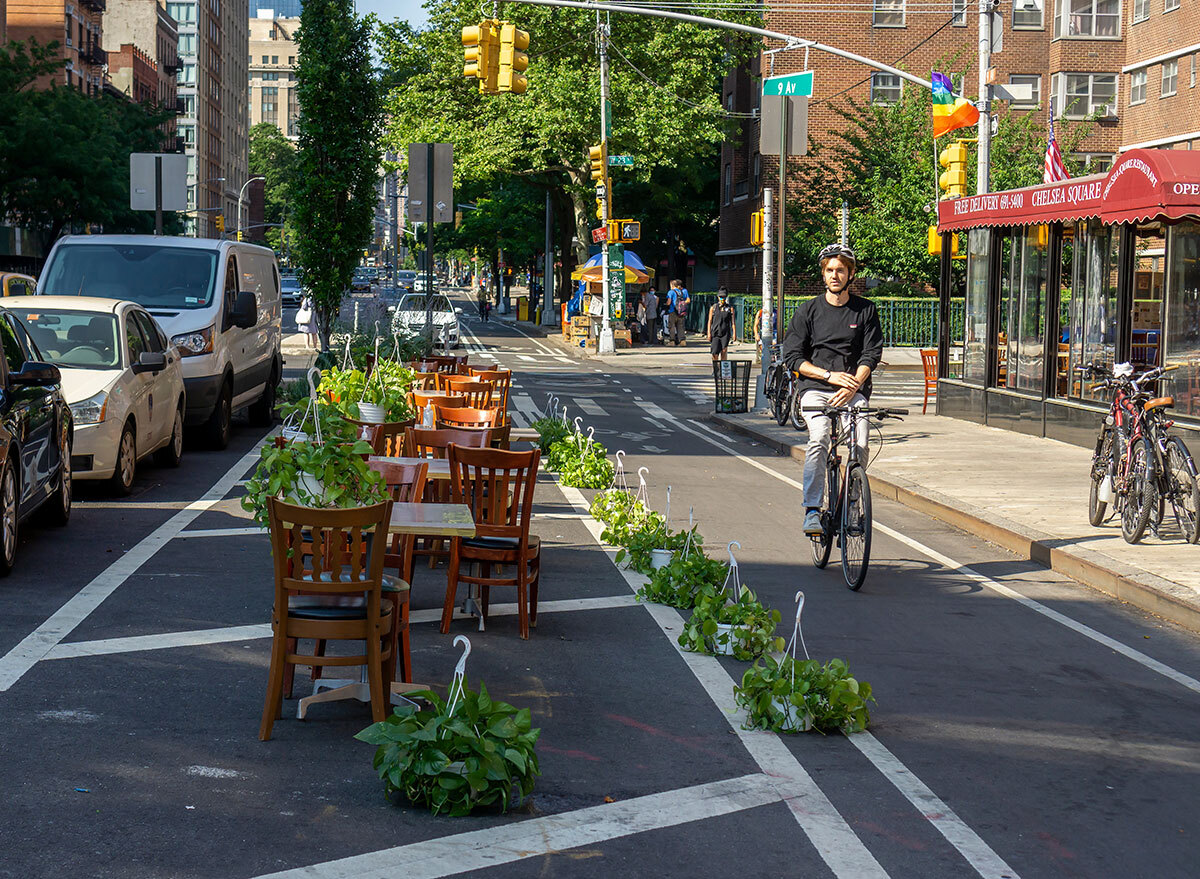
(954, 179)
(757, 237)
(513, 59)
(624, 230)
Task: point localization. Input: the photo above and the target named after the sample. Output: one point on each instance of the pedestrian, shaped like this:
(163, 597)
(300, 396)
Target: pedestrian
(306, 321)
(833, 341)
(720, 326)
(678, 301)
(650, 324)
(487, 309)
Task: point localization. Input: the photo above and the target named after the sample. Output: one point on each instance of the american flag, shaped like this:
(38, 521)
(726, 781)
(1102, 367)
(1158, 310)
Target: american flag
(1053, 169)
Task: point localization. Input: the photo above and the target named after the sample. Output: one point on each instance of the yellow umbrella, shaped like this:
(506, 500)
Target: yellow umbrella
(593, 273)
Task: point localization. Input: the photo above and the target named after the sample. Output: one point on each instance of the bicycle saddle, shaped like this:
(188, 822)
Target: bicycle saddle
(1158, 403)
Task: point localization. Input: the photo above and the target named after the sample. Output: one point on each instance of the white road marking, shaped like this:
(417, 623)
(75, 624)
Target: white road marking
(589, 406)
(519, 840)
(34, 647)
(526, 358)
(220, 532)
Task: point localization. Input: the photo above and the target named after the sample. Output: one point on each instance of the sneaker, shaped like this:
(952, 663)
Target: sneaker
(812, 523)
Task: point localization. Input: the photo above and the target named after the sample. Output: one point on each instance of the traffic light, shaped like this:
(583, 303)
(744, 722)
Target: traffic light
(756, 229)
(598, 159)
(513, 59)
(481, 54)
(624, 230)
(954, 179)
(219, 219)
(934, 243)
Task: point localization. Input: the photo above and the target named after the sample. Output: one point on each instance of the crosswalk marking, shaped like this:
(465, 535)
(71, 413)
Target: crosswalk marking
(698, 389)
(526, 358)
(589, 406)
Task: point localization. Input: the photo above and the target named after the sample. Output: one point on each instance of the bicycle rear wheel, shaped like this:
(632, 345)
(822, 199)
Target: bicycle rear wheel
(1102, 462)
(798, 421)
(1185, 488)
(823, 545)
(781, 397)
(856, 527)
(1141, 492)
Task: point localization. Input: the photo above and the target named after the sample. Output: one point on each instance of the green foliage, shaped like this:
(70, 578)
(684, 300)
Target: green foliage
(289, 393)
(387, 385)
(752, 632)
(623, 523)
(460, 761)
(332, 192)
(582, 464)
(340, 468)
(608, 503)
(401, 347)
(651, 534)
(776, 692)
(684, 579)
(550, 431)
(274, 157)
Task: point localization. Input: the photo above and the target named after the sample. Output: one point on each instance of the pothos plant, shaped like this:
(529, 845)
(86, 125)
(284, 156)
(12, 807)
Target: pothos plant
(608, 503)
(590, 469)
(454, 760)
(310, 474)
(752, 631)
(774, 691)
(687, 576)
(550, 431)
(623, 523)
(387, 385)
(652, 534)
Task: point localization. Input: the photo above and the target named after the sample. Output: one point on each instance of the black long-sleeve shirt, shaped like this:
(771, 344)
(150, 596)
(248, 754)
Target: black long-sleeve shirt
(839, 338)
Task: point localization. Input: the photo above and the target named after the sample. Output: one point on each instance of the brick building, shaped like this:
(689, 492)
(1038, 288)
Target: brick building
(75, 25)
(133, 73)
(1162, 106)
(1074, 52)
(145, 25)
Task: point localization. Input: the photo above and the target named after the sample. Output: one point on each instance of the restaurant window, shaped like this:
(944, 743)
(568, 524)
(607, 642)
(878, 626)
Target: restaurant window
(1137, 87)
(1170, 78)
(1183, 318)
(885, 88)
(1149, 276)
(888, 13)
(1081, 95)
(976, 306)
(1141, 10)
(1027, 15)
(1091, 333)
(959, 7)
(1020, 329)
(1087, 18)
(1035, 85)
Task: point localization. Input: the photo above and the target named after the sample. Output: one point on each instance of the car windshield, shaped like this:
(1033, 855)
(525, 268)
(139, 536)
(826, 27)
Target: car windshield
(152, 275)
(77, 339)
(406, 275)
(417, 303)
(289, 284)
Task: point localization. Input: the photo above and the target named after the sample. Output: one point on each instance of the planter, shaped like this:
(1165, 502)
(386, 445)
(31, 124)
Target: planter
(793, 719)
(660, 558)
(723, 646)
(293, 435)
(311, 484)
(371, 412)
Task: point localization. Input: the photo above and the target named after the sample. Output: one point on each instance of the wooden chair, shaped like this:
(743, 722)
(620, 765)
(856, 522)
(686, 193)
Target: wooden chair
(465, 416)
(328, 587)
(425, 380)
(430, 443)
(444, 364)
(406, 483)
(929, 362)
(478, 394)
(498, 486)
(386, 438)
(423, 399)
(501, 382)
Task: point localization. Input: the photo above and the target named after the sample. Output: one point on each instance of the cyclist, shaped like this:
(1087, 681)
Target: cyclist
(833, 341)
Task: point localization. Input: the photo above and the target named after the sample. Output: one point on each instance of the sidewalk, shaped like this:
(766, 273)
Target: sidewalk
(1026, 494)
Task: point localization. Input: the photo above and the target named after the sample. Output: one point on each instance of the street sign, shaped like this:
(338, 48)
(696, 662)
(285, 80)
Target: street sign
(171, 181)
(616, 281)
(443, 183)
(626, 161)
(769, 122)
(600, 235)
(793, 84)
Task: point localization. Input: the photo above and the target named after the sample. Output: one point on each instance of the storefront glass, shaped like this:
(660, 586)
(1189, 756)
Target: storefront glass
(1183, 318)
(1092, 333)
(975, 316)
(1063, 302)
(1149, 274)
(1020, 346)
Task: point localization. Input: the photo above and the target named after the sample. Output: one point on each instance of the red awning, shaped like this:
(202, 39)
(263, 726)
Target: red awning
(1142, 185)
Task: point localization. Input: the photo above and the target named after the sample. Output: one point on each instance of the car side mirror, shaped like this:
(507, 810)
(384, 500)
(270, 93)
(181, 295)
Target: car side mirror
(34, 372)
(150, 361)
(245, 310)
(457, 310)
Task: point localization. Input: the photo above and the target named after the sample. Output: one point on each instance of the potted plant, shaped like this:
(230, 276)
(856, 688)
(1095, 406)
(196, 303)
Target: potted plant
(642, 537)
(688, 575)
(590, 468)
(740, 627)
(550, 431)
(789, 695)
(385, 393)
(609, 503)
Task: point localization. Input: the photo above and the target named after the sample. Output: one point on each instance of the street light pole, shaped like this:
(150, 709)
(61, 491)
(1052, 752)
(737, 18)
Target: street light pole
(241, 197)
(605, 343)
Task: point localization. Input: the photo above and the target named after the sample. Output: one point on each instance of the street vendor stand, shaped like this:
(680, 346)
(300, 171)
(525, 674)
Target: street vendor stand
(582, 317)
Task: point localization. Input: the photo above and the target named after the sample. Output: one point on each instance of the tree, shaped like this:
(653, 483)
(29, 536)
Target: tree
(272, 156)
(338, 160)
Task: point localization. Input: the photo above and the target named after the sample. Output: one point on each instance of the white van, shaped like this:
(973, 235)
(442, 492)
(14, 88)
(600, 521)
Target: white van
(218, 301)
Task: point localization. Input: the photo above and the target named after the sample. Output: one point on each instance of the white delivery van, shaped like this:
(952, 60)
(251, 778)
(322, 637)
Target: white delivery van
(218, 302)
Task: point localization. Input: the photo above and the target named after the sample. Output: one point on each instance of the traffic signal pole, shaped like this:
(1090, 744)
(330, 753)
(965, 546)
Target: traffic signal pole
(768, 338)
(605, 343)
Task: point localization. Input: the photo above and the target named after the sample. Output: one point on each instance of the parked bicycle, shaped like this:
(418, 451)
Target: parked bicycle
(779, 387)
(846, 504)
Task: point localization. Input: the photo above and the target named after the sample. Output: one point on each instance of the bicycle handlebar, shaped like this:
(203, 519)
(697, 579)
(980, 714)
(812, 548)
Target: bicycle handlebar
(862, 410)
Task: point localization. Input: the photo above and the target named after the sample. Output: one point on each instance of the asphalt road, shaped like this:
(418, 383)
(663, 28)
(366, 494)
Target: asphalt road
(1009, 739)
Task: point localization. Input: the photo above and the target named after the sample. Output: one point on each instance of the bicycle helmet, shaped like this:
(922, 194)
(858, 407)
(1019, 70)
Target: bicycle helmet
(841, 251)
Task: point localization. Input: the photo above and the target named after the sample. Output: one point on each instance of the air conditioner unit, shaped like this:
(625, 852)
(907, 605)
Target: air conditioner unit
(70, 10)
(69, 43)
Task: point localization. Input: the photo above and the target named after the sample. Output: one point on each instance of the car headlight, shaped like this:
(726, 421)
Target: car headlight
(191, 344)
(91, 410)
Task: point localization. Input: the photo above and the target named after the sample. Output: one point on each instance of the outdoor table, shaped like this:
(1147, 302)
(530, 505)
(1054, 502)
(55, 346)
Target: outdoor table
(439, 468)
(524, 435)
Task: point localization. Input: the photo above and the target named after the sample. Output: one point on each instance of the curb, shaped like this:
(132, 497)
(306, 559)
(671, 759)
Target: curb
(1140, 588)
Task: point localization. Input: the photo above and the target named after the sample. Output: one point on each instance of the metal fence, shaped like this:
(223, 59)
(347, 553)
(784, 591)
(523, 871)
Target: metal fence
(906, 322)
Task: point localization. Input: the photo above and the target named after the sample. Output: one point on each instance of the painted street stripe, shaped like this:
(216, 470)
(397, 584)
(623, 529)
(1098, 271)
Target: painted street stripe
(220, 532)
(589, 406)
(537, 837)
(527, 358)
(34, 647)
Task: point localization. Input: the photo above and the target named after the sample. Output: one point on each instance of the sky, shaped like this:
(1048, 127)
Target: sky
(392, 9)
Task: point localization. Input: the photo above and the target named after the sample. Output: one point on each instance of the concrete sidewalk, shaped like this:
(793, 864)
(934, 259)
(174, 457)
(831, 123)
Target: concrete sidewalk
(1026, 494)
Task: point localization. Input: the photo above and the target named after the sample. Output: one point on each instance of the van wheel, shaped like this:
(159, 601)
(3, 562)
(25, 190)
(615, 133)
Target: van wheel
(262, 412)
(172, 453)
(220, 424)
(8, 519)
(126, 469)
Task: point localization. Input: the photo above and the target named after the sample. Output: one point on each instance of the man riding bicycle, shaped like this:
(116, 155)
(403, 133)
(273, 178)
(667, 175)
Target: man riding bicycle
(833, 341)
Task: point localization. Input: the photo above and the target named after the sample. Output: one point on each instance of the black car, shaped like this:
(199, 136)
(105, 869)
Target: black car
(35, 438)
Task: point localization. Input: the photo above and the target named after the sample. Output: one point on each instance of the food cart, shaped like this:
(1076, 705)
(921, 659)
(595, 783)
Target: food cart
(582, 315)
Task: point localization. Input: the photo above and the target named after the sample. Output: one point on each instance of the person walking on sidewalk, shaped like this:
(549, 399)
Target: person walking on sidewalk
(678, 301)
(650, 323)
(833, 341)
(720, 326)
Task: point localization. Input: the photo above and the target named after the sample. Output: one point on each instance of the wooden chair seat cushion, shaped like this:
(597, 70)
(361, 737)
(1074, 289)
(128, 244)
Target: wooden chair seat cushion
(502, 544)
(339, 608)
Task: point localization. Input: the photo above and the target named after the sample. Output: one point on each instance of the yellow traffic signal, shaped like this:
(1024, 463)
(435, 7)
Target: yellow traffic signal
(598, 159)
(756, 229)
(599, 209)
(513, 59)
(934, 243)
(481, 59)
(219, 220)
(624, 230)
(954, 179)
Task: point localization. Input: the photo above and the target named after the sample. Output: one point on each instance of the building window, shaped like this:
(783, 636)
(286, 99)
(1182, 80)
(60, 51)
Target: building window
(1170, 78)
(274, 59)
(960, 13)
(188, 132)
(1169, 5)
(270, 77)
(1079, 95)
(293, 113)
(1035, 84)
(183, 13)
(1094, 163)
(1087, 18)
(270, 104)
(291, 60)
(187, 76)
(757, 166)
(888, 13)
(728, 184)
(1027, 15)
(1141, 10)
(187, 44)
(885, 88)
(1137, 87)
(265, 59)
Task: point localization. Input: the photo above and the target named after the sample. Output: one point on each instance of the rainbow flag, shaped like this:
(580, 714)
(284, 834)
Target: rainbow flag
(950, 112)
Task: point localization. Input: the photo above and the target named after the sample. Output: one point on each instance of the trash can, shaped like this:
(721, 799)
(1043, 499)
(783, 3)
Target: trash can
(523, 308)
(732, 378)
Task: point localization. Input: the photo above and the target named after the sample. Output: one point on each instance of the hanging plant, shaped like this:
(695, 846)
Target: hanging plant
(686, 577)
(589, 468)
(550, 431)
(742, 628)
(778, 692)
(607, 504)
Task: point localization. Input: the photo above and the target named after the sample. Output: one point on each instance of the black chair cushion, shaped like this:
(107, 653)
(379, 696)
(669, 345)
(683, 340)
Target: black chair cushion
(494, 543)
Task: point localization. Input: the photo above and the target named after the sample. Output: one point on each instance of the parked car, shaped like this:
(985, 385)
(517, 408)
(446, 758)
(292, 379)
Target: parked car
(290, 291)
(16, 284)
(218, 301)
(121, 377)
(405, 279)
(409, 315)
(35, 438)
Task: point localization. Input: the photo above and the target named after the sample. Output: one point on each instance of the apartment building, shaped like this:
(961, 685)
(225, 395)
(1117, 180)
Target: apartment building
(76, 25)
(1162, 106)
(1071, 50)
(144, 26)
(133, 73)
(273, 55)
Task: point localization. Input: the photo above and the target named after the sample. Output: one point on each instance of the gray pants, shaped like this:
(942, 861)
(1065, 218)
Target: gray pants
(675, 330)
(820, 430)
(650, 331)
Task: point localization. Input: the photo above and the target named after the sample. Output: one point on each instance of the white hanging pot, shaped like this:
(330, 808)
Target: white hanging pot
(372, 413)
(294, 435)
(312, 485)
(723, 641)
(660, 558)
(794, 719)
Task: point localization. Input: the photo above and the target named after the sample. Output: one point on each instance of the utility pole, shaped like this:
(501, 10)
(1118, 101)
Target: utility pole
(605, 344)
(768, 338)
(549, 303)
(985, 98)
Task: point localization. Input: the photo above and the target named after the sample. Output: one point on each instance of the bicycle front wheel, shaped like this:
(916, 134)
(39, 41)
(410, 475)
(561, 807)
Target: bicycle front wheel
(1102, 461)
(1141, 492)
(856, 527)
(1185, 488)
